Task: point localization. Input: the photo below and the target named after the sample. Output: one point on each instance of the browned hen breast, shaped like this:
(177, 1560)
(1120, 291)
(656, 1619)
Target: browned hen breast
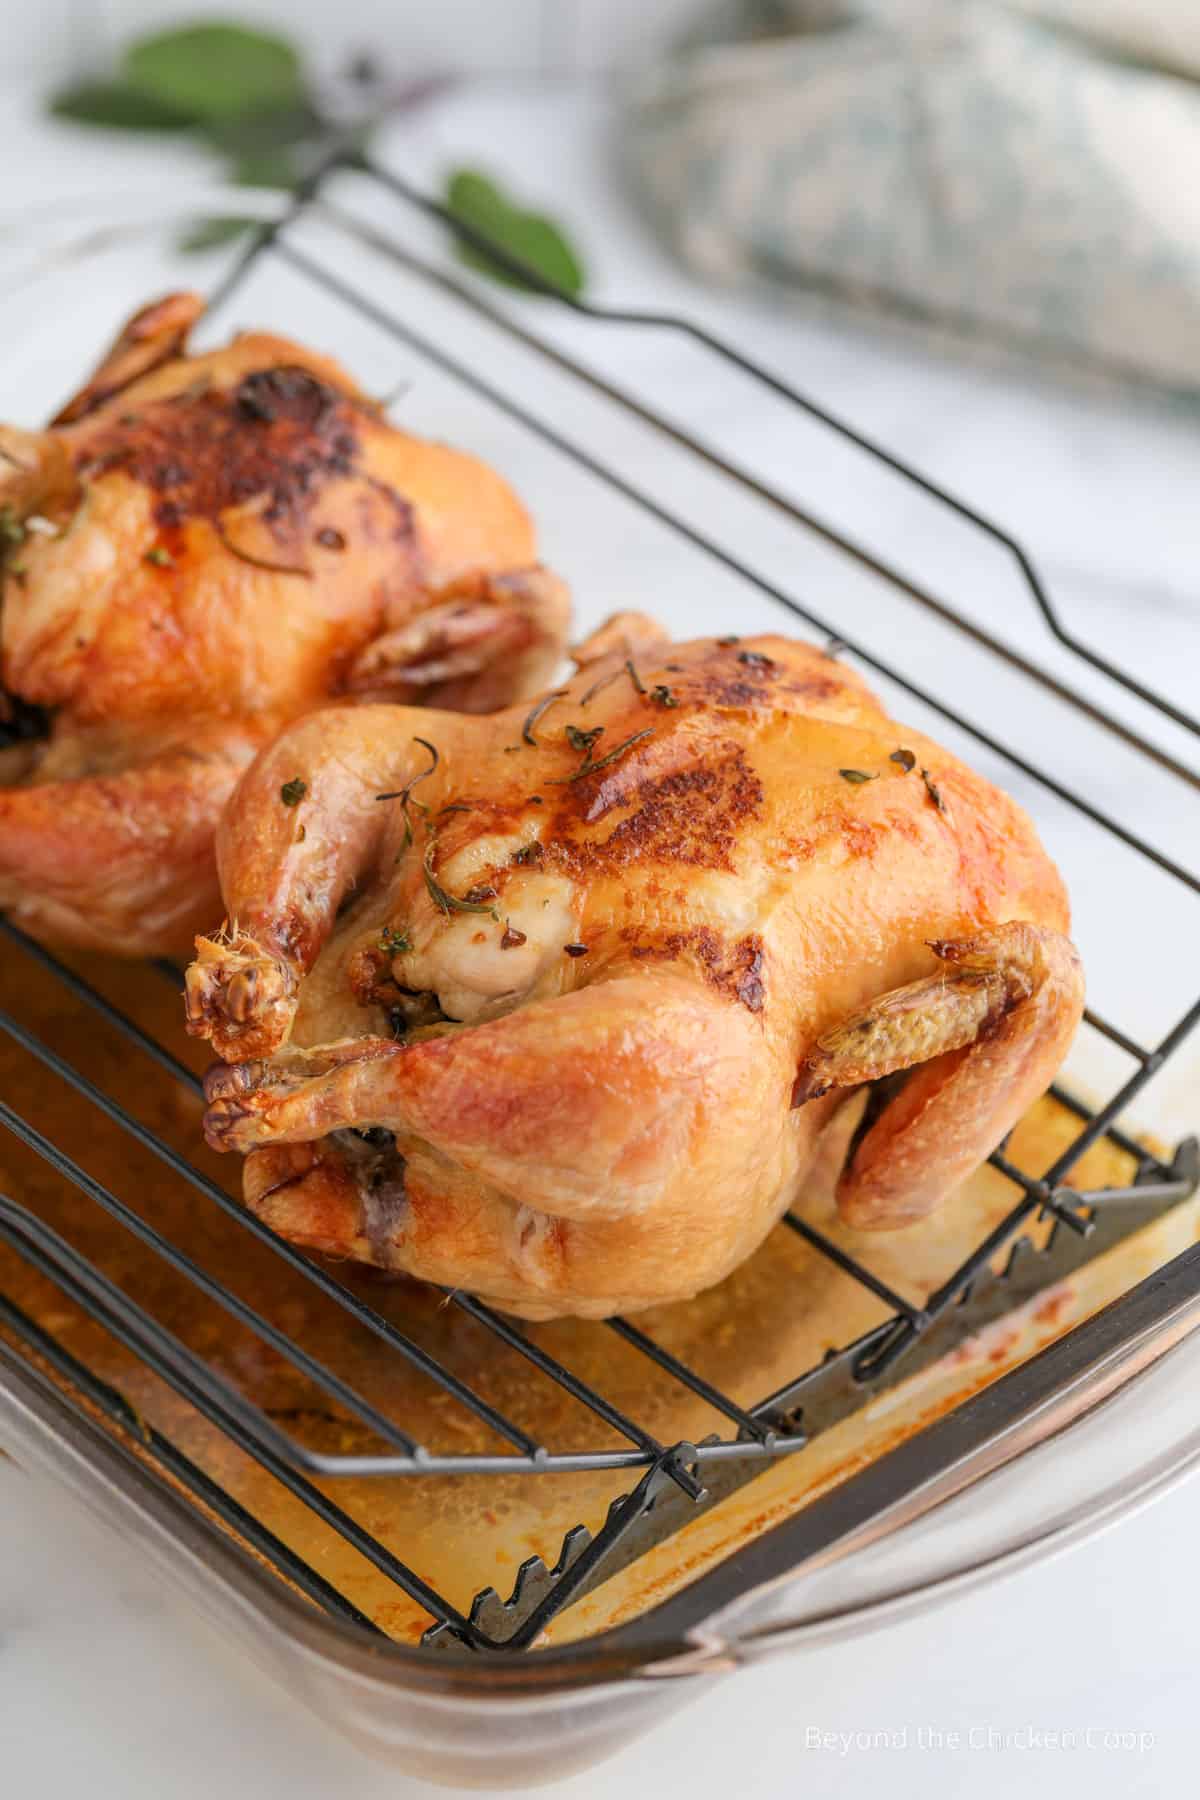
(199, 549)
(610, 969)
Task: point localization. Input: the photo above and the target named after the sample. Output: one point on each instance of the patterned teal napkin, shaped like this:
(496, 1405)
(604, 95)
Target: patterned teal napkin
(956, 161)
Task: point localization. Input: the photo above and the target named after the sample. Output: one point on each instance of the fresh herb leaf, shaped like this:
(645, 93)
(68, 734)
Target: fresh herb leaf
(273, 166)
(528, 237)
(160, 557)
(445, 901)
(856, 776)
(263, 130)
(590, 768)
(258, 562)
(292, 792)
(117, 105)
(582, 740)
(905, 758)
(404, 794)
(216, 71)
(394, 943)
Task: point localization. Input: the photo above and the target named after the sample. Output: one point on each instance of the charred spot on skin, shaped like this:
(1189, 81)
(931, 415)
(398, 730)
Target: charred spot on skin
(512, 938)
(576, 949)
(287, 391)
(752, 684)
(750, 989)
(481, 892)
(737, 972)
(692, 815)
(330, 538)
(276, 438)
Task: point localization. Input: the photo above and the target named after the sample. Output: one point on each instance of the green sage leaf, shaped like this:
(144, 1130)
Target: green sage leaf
(530, 237)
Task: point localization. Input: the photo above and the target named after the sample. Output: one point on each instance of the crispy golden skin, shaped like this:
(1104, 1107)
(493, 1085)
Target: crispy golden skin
(720, 891)
(207, 547)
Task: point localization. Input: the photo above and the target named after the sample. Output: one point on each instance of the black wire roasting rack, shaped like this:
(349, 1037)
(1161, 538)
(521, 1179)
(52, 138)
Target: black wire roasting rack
(670, 1480)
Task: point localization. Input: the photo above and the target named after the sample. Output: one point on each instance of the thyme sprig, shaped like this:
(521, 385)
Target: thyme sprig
(258, 562)
(660, 694)
(932, 789)
(543, 705)
(598, 687)
(445, 901)
(588, 767)
(404, 794)
(582, 740)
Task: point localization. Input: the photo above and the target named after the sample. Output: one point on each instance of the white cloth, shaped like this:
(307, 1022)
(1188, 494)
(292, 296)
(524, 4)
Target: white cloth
(962, 161)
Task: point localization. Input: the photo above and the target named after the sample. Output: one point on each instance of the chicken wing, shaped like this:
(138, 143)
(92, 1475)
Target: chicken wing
(199, 549)
(557, 1006)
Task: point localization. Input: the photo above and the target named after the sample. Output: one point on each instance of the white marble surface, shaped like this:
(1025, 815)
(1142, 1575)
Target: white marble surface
(107, 1680)
(103, 1677)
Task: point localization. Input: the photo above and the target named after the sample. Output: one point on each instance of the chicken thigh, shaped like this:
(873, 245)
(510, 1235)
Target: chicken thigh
(557, 1006)
(196, 551)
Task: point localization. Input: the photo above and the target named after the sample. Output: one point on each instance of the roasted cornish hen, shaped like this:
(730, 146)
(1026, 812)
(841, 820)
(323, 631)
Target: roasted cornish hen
(196, 551)
(557, 1006)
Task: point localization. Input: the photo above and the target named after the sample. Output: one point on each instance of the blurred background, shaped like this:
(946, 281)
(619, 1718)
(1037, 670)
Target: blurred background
(969, 229)
(472, 36)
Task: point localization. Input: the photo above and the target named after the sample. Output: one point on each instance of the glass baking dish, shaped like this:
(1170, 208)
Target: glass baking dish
(771, 1566)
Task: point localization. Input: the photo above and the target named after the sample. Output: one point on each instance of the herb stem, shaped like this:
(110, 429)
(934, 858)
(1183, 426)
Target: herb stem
(543, 705)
